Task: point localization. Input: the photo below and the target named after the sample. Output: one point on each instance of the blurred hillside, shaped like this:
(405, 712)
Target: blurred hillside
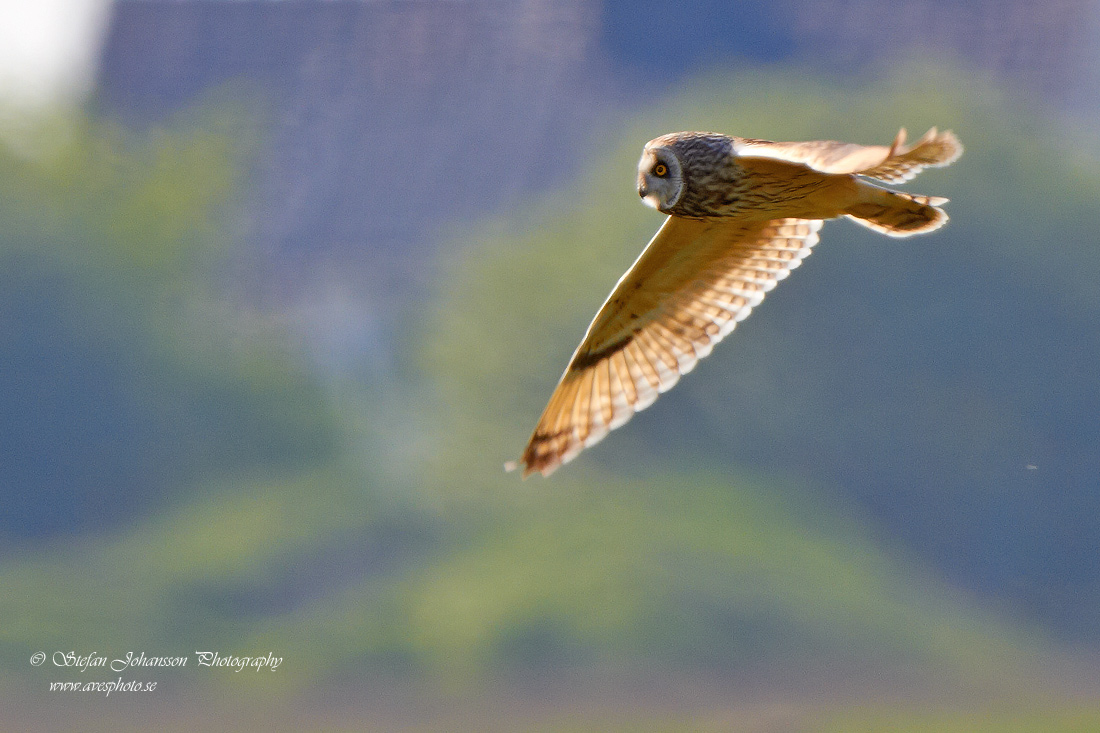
(118, 388)
(278, 305)
(382, 121)
(1045, 55)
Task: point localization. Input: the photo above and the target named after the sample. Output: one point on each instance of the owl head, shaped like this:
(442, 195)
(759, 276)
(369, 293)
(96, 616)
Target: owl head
(680, 173)
(660, 176)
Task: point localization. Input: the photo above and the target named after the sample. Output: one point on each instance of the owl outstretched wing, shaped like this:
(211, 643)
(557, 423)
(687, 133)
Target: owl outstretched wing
(687, 290)
(894, 163)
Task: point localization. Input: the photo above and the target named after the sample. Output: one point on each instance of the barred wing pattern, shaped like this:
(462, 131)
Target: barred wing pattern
(896, 163)
(687, 290)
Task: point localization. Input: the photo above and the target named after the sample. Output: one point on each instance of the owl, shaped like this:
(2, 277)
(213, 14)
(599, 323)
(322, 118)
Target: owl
(742, 213)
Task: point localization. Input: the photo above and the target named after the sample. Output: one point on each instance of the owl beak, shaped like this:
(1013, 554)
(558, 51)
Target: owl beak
(648, 198)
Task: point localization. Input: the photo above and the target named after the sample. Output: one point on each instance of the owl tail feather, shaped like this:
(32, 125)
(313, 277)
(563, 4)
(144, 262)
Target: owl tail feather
(897, 214)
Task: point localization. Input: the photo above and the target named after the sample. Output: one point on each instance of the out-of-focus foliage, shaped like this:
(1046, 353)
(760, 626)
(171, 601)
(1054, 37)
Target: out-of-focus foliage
(368, 534)
(1010, 719)
(123, 376)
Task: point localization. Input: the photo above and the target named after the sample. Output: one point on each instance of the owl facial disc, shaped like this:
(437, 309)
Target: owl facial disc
(660, 178)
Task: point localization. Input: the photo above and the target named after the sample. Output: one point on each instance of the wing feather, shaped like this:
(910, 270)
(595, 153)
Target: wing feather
(686, 291)
(627, 389)
(640, 362)
(894, 163)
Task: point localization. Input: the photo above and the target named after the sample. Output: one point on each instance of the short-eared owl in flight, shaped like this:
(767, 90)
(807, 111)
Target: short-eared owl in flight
(742, 214)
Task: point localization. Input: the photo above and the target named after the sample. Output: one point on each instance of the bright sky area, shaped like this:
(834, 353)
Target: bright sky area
(48, 50)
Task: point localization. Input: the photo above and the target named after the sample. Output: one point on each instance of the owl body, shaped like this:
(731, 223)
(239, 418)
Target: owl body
(742, 214)
(706, 177)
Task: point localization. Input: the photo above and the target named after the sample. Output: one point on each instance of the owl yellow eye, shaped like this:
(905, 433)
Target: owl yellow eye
(660, 170)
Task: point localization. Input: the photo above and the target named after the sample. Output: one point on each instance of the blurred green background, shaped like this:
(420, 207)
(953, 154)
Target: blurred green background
(271, 321)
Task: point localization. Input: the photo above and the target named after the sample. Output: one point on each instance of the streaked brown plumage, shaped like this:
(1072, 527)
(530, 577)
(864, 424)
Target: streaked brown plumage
(743, 213)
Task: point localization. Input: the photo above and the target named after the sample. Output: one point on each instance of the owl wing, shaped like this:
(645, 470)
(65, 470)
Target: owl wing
(688, 289)
(895, 163)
